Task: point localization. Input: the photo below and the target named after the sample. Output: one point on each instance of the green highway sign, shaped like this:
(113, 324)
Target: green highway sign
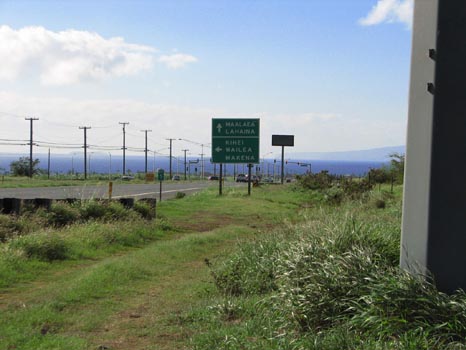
(235, 140)
(160, 174)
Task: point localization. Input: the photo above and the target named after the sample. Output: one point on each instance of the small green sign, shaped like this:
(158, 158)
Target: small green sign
(235, 140)
(160, 174)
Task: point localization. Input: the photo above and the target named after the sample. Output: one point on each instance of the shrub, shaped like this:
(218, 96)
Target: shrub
(252, 269)
(356, 189)
(379, 203)
(44, 246)
(8, 227)
(334, 195)
(180, 195)
(11, 226)
(62, 214)
(92, 210)
(164, 225)
(317, 181)
(144, 209)
(116, 211)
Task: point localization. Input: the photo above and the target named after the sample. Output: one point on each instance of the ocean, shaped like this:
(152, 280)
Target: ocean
(103, 164)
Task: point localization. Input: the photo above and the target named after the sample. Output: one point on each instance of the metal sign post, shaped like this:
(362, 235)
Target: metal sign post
(220, 182)
(249, 179)
(283, 140)
(160, 177)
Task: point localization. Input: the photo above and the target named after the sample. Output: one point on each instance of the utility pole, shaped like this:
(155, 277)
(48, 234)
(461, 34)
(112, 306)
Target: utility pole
(31, 120)
(124, 145)
(202, 161)
(170, 156)
(283, 165)
(48, 166)
(145, 149)
(85, 128)
(185, 150)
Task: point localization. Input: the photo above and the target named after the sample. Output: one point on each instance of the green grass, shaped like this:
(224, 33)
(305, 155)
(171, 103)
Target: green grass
(64, 288)
(281, 269)
(331, 282)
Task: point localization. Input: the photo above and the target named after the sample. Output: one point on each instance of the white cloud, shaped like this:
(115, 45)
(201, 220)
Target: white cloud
(177, 60)
(59, 119)
(314, 132)
(390, 11)
(73, 56)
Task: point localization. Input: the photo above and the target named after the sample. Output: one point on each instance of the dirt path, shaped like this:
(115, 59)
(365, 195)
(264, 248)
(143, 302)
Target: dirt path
(137, 313)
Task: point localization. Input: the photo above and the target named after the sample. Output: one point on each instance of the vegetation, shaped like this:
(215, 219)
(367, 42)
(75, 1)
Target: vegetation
(21, 167)
(283, 269)
(397, 166)
(331, 282)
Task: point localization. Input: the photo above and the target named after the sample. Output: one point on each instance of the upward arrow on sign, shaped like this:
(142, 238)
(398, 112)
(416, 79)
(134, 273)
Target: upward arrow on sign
(219, 128)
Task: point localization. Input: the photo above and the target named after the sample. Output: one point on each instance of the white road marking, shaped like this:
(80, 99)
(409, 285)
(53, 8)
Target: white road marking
(147, 193)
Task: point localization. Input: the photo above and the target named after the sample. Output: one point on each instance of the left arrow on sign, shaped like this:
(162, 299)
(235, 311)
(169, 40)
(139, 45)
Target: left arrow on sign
(218, 149)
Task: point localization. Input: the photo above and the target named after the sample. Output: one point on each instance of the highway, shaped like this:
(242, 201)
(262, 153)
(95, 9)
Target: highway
(137, 191)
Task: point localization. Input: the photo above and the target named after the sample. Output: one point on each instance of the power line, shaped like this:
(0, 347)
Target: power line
(60, 144)
(13, 115)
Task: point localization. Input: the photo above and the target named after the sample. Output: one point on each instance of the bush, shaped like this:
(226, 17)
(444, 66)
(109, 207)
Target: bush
(379, 203)
(92, 210)
(252, 269)
(45, 246)
(62, 214)
(334, 195)
(11, 226)
(356, 189)
(317, 181)
(180, 195)
(144, 209)
(116, 211)
(8, 227)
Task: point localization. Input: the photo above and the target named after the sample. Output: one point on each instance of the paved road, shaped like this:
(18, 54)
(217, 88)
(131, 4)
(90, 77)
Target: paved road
(169, 190)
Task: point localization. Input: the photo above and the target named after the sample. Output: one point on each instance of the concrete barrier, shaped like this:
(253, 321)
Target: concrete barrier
(127, 202)
(11, 206)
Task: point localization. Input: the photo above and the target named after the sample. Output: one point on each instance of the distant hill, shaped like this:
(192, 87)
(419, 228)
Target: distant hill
(374, 154)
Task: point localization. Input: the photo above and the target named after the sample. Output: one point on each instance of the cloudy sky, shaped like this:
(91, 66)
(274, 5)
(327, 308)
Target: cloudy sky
(334, 73)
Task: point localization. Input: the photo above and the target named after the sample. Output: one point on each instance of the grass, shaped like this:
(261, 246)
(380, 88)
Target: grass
(282, 269)
(112, 276)
(330, 282)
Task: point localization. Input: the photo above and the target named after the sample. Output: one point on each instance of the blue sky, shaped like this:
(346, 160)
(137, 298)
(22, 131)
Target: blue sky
(334, 73)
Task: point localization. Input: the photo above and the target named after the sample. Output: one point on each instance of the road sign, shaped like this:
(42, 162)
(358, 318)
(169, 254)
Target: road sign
(160, 174)
(283, 140)
(235, 140)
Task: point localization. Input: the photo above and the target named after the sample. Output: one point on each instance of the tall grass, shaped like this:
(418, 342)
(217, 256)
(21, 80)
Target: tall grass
(332, 282)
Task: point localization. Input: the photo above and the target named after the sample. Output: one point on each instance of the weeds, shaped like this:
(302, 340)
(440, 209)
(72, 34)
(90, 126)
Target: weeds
(334, 283)
(45, 246)
(62, 214)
